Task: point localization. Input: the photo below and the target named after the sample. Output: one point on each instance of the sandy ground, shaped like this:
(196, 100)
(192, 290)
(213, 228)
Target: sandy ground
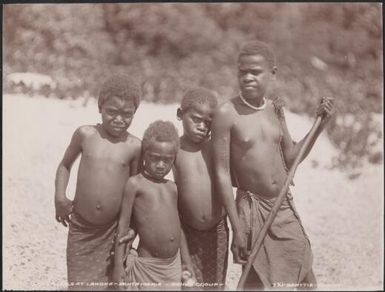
(343, 218)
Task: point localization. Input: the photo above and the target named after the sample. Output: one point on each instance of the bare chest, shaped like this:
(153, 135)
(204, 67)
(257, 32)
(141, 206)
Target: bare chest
(153, 199)
(193, 164)
(259, 129)
(96, 150)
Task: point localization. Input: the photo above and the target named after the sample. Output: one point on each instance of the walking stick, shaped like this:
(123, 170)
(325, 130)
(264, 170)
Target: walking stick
(262, 234)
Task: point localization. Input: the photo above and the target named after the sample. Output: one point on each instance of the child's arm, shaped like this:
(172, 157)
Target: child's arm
(63, 205)
(221, 128)
(123, 225)
(137, 162)
(185, 254)
(188, 275)
(290, 148)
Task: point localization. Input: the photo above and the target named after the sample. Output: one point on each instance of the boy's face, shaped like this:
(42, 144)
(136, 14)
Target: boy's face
(197, 121)
(254, 75)
(159, 158)
(117, 115)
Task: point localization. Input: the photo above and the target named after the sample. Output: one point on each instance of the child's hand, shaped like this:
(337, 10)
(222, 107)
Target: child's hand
(129, 237)
(239, 249)
(326, 109)
(188, 278)
(63, 208)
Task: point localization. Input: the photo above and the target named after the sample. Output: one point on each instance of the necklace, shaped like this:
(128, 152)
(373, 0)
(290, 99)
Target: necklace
(257, 108)
(151, 178)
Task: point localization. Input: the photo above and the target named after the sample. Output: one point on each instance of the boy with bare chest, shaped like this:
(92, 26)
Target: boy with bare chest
(109, 155)
(202, 215)
(253, 149)
(150, 203)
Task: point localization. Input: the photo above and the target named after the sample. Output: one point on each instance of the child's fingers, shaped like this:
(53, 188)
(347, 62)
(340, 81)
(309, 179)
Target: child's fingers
(244, 253)
(125, 238)
(67, 218)
(237, 259)
(63, 222)
(327, 98)
(130, 236)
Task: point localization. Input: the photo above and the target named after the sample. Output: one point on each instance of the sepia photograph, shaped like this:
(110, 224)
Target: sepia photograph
(210, 146)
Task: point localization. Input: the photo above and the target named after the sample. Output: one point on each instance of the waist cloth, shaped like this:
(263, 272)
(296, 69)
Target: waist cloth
(209, 253)
(148, 273)
(89, 249)
(285, 255)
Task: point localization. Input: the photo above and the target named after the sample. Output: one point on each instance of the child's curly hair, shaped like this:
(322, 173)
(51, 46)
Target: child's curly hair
(121, 86)
(161, 131)
(198, 96)
(258, 48)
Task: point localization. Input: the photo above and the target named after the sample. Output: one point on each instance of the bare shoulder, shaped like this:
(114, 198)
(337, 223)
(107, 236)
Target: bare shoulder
(225, 109)
(134, 144)
(84, 132)
(224, 115)
(87, 130)
(133, 141)
(277, 104)
(132, 183)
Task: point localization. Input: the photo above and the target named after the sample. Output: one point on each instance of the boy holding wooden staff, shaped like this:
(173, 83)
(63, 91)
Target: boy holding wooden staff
(250, 137)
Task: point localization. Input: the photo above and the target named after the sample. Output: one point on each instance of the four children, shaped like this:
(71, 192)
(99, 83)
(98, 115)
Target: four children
(184, 223)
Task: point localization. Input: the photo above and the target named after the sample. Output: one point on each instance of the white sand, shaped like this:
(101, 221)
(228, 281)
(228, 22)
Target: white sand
(343, 217)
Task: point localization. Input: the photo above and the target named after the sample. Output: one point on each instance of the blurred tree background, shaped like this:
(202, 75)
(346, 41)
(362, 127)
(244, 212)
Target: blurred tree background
(323, 49)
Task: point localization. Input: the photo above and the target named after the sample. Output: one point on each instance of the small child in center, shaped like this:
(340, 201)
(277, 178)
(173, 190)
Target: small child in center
(150, 204)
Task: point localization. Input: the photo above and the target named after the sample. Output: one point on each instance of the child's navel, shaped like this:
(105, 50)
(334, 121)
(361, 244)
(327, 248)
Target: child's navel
(172, 238)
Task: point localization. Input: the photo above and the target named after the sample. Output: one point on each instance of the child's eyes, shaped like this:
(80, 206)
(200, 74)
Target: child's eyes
(157, 159)
(115, 113)
(252, 72)
(198, 120)
(127, 115)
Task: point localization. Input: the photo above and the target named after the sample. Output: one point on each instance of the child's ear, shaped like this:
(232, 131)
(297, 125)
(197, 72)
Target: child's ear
(274, 73)
(179, 114)
(274, 70)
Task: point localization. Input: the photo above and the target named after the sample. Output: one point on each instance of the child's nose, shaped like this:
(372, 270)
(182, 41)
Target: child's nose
(119, 118)
(202, 126)
(160, 164)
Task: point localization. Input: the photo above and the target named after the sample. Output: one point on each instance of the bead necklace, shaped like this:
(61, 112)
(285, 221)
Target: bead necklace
(257, 108)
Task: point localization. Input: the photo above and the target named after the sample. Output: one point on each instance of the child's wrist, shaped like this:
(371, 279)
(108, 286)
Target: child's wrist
(60, 196)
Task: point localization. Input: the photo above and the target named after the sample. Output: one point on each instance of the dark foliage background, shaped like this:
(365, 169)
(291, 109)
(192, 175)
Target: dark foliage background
(322, 49)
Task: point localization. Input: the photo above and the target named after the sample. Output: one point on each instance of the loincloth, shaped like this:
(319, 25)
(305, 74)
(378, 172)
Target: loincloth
(285, 255)
(88, 253)
(209, 253)
(147, 273)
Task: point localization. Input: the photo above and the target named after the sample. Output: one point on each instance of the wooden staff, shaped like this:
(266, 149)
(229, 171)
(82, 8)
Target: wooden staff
(274, 210)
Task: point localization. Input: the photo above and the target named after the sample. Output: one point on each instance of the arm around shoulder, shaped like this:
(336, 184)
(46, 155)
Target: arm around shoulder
(129, 194)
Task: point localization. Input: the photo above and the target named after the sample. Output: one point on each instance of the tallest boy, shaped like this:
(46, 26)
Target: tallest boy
(250, 137)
